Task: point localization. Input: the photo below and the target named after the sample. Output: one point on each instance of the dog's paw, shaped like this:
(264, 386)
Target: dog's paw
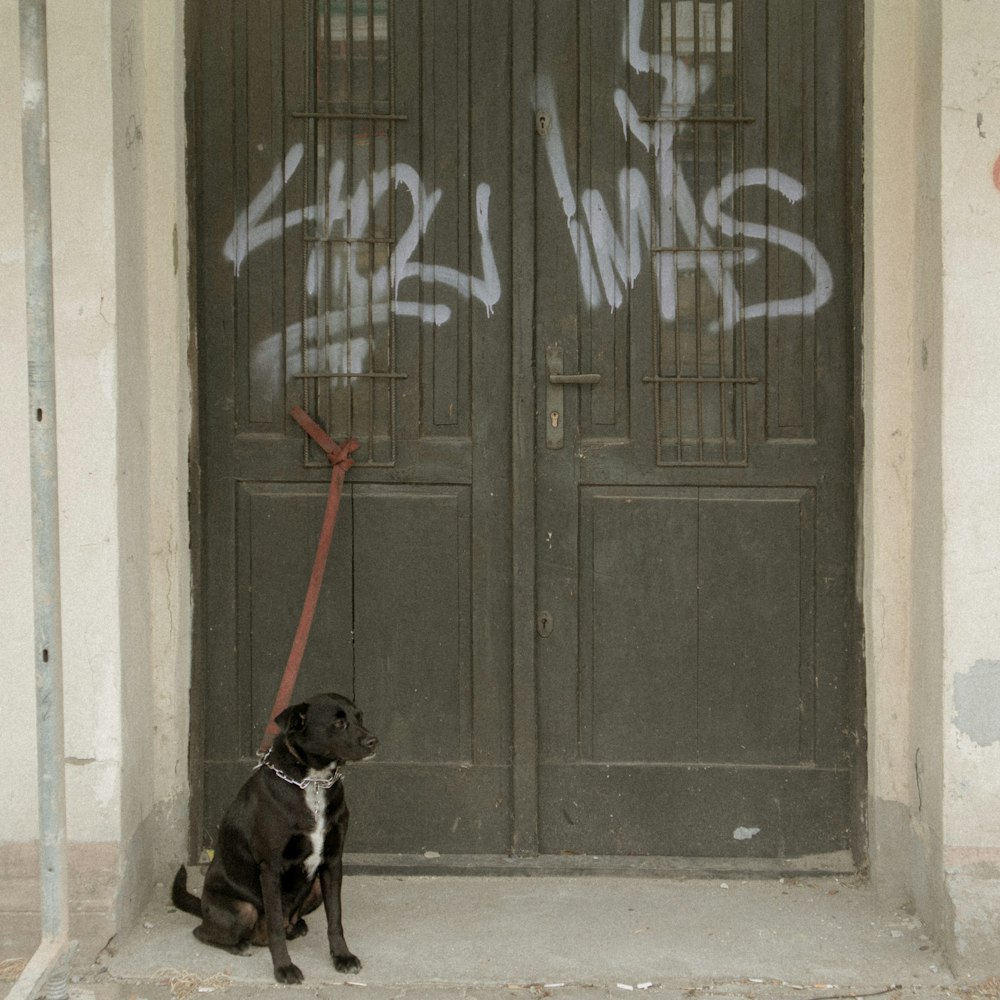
(297, 930)
(288, 973)
(347, 963)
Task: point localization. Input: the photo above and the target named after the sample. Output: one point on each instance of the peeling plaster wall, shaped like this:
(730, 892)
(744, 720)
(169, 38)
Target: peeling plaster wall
(932, 465)
(134, 383)
(154, 430)
(16, 627)
(890, 185)
(925, 761)
(902, 481)
(117, 145)
(970, 214)
(977, 703)
(86, 379)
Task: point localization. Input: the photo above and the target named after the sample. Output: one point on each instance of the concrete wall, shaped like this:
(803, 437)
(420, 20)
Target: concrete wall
(902, 323)
(930, 574)
(117, 139)
(970, 473)
(890, 192)
(932, 465)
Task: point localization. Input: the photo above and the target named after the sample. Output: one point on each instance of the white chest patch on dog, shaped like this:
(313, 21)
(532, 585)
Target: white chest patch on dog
(315, 796)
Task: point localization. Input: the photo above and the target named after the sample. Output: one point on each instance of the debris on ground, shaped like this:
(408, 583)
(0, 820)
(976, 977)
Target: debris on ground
(184, 985)
(11, 968)
(988, 989)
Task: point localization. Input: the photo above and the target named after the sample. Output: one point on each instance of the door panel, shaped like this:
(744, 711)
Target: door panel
(711, 811)
(629, 711)
(416, 674)
(756, 627)
(671, 634)
(693, 527)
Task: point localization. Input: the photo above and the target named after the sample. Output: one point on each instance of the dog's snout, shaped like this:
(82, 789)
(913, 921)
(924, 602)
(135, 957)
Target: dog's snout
(370, 742)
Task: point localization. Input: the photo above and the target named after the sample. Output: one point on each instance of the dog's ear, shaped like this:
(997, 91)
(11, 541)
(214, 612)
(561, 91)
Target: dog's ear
(293, 719)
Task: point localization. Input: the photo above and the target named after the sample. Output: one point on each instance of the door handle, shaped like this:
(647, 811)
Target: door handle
(554, 434)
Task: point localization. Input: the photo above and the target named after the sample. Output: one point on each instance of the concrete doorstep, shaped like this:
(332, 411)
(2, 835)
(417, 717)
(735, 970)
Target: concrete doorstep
(564, 937)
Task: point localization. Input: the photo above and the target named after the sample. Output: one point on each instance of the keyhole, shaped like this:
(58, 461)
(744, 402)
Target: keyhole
(543, 123)
(554, 418)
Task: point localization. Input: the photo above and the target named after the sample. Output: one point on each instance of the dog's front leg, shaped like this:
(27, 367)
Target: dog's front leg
(331, 877)
(270, 887)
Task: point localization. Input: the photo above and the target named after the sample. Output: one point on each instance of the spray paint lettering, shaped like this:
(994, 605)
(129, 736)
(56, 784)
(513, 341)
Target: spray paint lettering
(609, 263)
(350, 219)
(609, 260)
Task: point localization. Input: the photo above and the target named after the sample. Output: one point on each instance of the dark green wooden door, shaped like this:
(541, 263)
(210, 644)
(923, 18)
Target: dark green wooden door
(694, 485)
(632, 637)
(352, 215)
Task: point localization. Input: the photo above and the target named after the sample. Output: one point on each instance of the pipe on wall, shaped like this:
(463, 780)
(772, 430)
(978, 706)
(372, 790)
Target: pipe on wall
(49, 966)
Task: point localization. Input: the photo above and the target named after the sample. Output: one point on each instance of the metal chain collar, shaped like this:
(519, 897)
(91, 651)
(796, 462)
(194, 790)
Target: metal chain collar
(303, 783)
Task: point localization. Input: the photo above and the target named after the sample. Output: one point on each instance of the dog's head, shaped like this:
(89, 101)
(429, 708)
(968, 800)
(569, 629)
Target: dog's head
(327, 728)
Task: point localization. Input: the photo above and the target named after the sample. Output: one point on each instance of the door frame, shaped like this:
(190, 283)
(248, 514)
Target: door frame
(525, 733)
(196, 533)
(525, 743)
(857, 700)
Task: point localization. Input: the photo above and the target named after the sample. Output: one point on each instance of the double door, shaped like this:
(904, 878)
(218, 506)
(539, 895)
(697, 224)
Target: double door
(574, 274)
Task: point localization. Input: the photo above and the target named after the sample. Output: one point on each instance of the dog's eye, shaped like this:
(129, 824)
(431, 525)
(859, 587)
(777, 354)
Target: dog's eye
(340, 723)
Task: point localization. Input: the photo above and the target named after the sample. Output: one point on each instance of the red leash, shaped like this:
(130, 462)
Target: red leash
(340, 460)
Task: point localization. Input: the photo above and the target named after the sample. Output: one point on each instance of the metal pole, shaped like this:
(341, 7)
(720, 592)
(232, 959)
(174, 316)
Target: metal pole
(53, 953)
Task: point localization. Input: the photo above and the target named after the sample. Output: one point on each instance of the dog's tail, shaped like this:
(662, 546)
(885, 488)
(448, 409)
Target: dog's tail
(182, 899)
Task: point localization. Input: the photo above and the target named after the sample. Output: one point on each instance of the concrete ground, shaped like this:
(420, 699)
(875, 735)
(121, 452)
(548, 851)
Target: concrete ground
(570, 938)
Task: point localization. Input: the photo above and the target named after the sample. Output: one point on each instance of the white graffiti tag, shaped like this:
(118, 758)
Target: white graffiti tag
(609, 263)
(372, 295)
(823, 279)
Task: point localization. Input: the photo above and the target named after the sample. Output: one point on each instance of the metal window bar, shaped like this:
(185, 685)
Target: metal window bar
(700, 359)
(347, 381)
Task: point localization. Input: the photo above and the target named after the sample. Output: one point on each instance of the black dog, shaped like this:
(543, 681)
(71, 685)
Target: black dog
(281, 842)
